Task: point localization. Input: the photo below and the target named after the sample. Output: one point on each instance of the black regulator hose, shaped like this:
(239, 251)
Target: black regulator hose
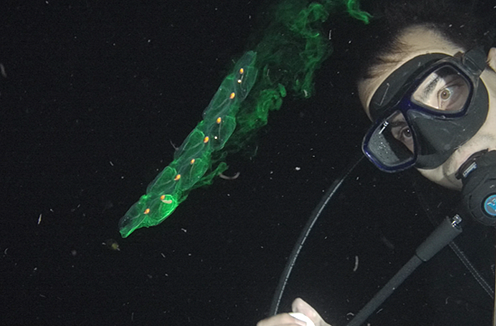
(329, 194)
(437, 240)
(478, 175)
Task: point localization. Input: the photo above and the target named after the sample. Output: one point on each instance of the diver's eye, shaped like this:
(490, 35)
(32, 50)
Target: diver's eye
(451, 98)
(444, 94)
(445, 89)
(406, 135)
(402, 132)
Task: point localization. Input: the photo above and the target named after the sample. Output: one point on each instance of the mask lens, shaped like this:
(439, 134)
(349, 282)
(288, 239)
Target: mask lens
(390, 143)
(443, 90)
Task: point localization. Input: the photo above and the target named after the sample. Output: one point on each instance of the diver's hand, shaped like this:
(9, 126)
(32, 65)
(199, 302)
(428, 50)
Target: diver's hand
(287, 320)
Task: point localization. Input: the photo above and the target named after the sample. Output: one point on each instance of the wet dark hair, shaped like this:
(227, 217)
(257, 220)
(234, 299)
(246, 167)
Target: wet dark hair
(458, 21)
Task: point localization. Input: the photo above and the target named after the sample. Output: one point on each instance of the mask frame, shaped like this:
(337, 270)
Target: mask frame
(436, 134)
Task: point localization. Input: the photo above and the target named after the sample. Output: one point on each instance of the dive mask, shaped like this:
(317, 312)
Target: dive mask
(425, 110)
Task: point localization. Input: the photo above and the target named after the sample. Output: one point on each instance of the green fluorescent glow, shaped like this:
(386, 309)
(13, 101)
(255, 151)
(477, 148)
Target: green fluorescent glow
(285, 59)
(194, 158)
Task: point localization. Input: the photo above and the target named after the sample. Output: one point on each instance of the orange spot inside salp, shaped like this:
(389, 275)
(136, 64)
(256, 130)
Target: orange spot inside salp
(219, 120)
(242, 71)
(146, 211)
(177, 177)
(192, 161)
(168, 201)
(233, 95)
(206, 139)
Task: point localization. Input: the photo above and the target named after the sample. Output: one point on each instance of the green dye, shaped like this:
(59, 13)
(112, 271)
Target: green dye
(284, 60)
(354, 10)
(194, 158)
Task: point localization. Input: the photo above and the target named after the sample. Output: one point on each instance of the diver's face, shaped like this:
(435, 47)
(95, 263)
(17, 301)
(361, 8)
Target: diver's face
(420, 40)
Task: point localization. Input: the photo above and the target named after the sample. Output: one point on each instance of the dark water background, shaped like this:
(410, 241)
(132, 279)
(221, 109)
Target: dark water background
(93, 98)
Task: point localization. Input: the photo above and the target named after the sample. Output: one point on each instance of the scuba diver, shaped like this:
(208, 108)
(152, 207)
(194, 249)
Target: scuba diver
(428, 84)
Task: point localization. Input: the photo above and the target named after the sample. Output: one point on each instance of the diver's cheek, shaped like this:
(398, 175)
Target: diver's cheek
(440, 176)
